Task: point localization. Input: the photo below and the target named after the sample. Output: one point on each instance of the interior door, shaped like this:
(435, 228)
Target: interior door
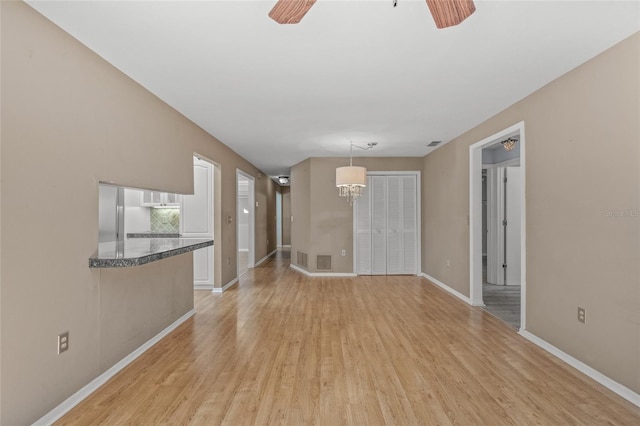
(378, 188)
(409, 225)
(512, 214)
(386, 229)
(394, 225)
(363, 232)
(196, 218)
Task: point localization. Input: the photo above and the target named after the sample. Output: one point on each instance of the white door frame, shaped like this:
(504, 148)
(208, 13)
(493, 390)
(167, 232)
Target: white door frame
(252, 218)
(417, 174)
(475, 216)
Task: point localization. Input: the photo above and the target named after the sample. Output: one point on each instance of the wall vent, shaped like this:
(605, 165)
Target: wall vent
(323, 262)
(434, 143)
(302, 259)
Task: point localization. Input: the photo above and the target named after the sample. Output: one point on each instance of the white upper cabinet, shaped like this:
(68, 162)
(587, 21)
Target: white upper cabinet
(159, 199)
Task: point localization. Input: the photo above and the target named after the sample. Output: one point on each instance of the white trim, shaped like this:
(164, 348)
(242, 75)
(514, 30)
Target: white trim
(612, 385)
(265, 258)
(446, 288)
(322, 274)
(475, 217)
(226, 286)
(286, 246)
(66, 405)
(506, 163)
(203, 287)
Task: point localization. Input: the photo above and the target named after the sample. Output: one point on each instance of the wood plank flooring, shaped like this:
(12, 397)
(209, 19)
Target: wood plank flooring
(283, 348)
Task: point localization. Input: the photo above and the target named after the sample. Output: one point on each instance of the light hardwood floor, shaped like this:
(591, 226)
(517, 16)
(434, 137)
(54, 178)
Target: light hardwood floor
(283, 348)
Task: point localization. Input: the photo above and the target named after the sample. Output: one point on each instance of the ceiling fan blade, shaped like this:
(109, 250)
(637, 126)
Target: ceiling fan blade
(290, 11)
(447, 13)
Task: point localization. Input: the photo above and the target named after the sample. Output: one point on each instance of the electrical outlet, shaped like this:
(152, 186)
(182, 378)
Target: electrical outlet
(63, 342)
(228, 261)
(448, 263)
(344, 252)
(582, 315)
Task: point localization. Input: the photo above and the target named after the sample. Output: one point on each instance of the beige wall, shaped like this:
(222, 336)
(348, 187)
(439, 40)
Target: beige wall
(265, 212)
(137, 302)
(300, 208)
(582, 160)
(70, 120)
(330, 222)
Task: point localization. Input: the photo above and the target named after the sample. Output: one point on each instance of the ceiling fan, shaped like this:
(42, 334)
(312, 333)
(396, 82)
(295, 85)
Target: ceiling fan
(446, 13)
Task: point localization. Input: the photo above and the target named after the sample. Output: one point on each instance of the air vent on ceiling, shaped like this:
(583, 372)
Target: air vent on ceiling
(434, 143)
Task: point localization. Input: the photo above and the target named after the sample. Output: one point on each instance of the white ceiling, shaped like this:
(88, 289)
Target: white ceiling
(356, 71)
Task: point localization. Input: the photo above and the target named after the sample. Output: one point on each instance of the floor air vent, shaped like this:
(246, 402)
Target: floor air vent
(323, 262)
(302, 259)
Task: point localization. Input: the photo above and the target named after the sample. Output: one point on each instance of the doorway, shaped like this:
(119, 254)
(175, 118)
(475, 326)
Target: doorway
(278, 219)
(245, 221)
(497, 219)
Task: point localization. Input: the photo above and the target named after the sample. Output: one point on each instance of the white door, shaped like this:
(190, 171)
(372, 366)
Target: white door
(278, 219)
(503, 239)
(245, 221)
(512, 214)
(196, 219)
(387, 226)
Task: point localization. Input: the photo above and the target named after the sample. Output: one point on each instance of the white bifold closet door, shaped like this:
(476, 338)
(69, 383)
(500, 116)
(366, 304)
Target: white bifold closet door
(386, 226)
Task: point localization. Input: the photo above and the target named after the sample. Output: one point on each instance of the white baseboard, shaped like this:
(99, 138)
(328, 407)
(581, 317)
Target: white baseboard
(64, 407)
(208, 287)
(226, 286)
(612, 385)
(286, 246)
(322, 274)
(446, 288)
(265, 258)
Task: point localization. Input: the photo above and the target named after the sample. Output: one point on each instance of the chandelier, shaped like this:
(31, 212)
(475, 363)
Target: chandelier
(352, 180)
(509, 144)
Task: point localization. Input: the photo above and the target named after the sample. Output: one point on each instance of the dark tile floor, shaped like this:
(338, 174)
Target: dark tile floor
(502, 301)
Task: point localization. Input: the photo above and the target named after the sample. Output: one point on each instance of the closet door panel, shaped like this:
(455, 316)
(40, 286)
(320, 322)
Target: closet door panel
(394, 225)
(363, 232)
(387, 226)
(378, 196)
(409, 225)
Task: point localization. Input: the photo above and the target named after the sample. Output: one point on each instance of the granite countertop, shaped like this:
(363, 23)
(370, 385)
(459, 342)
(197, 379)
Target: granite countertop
(151, 234)
(138, 251)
